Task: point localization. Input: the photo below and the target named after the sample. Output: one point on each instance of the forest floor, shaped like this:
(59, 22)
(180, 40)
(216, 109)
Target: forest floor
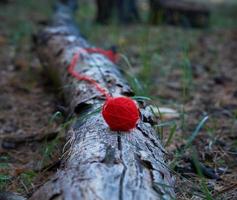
(192, 71)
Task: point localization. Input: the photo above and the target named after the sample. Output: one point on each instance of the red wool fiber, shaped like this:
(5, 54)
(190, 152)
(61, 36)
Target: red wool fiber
(120, 113)
(108, 53)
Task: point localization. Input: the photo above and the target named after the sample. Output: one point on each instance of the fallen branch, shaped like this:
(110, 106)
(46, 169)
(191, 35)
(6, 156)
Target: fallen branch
(182, 12)
(99, 163)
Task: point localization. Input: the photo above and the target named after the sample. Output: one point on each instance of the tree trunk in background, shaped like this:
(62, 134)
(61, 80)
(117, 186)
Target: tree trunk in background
(99, 164)
(4, 1)
(126, 11)
(105, 9)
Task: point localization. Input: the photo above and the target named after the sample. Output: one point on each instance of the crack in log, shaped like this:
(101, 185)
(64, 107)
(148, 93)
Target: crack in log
(109, 158)
(124, 168)
(56, 197)
(152, 140)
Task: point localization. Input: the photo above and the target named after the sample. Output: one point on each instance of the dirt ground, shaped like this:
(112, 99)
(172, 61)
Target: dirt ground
(193, 71)
(29, 142)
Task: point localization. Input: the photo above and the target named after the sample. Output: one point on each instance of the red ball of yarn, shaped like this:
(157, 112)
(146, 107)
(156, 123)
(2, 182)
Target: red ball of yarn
(120, 113)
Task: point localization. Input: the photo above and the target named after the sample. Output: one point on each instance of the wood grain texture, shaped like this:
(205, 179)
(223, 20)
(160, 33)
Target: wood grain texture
(100, 164)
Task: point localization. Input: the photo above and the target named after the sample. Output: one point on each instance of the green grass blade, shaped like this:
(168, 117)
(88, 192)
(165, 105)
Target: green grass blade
(141, 98)
(204, 187)
(56, 115)
(171, 135)
(195, 133)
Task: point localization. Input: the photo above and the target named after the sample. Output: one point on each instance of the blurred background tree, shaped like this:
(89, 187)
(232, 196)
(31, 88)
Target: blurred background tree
(125, 11)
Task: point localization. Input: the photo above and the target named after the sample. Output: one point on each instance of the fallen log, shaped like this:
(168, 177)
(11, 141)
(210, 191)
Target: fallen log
(100, 163)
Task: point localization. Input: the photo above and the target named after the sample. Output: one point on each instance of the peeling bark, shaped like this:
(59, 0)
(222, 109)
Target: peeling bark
(101, 164)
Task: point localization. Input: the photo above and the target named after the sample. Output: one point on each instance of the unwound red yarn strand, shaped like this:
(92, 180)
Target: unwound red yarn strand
(120, 113)
(71, 70)
(108, 53)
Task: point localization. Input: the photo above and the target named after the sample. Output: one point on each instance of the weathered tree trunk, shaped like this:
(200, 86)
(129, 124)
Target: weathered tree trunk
(100, 163)
(179, 12)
